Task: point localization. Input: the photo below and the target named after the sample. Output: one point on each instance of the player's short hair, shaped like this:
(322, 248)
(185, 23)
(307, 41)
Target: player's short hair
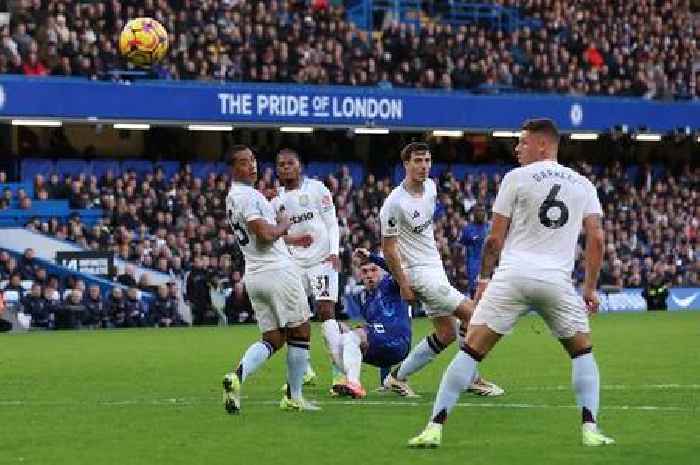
(235, 150)
(544, 126)
(412, 148)
(288, 151)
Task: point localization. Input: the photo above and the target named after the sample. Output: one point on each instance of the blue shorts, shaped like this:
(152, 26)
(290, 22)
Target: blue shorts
(385, 350)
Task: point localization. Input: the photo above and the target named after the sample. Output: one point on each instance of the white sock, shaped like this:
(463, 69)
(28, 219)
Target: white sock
(586, 382)
(297, 362)
(332, 336)
(352, 357)
(423, 353)
(457, 378)
(253, 358)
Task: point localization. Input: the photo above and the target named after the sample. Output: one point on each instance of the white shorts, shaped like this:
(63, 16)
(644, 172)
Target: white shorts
(321, 282)
(277, 298)
(432, 287)
(508, 297)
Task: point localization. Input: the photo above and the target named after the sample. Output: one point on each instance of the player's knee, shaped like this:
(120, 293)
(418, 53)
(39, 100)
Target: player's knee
(326, 310)
(465, 310)
(473, 352)
(274, 342)
(577, 352)
(446, 332)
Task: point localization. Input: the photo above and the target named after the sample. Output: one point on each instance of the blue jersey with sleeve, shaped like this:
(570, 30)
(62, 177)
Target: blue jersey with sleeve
(472, 238)
(387, 317)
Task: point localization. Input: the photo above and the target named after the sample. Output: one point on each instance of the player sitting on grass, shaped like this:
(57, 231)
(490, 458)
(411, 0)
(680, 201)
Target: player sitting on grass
(385, 338)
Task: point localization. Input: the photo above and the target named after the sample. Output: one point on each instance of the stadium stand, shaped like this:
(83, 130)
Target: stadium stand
(176, 226)
(634, 49)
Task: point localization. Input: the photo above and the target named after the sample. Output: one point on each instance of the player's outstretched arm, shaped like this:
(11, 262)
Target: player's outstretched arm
(268, 232)
(374, 258)
(595, 242)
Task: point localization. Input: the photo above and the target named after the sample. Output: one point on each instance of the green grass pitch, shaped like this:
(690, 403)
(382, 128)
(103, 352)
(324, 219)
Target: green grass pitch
(153, 397)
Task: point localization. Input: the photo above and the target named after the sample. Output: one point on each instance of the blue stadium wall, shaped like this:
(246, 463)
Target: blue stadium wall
(323, 106)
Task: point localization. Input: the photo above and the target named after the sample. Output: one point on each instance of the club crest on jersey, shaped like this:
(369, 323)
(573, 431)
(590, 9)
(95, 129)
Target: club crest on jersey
(392, 222)
(303, 200)
(416, 214)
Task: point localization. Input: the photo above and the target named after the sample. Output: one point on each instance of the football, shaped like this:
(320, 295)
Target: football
(143, 41)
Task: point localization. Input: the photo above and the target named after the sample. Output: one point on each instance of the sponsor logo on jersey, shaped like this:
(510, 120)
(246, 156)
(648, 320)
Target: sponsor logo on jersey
(421, 227)
(307, 216)
(304, 200)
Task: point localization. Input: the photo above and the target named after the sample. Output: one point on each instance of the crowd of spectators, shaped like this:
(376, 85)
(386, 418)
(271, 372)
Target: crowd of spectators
(56, 303)
(645, 48)
(178, 226)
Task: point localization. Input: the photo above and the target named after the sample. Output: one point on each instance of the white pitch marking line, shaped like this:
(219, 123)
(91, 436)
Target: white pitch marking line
(194, 401)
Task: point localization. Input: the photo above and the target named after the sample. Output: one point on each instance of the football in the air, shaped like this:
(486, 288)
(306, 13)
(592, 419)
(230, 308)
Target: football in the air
(143, 41)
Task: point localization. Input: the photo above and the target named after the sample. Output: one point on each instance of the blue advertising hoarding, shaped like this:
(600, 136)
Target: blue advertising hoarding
(277, 104)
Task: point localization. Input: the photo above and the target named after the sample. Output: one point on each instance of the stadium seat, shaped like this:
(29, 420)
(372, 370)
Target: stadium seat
(73, 167)
(100, 167)
(141, 167)
(30, 167)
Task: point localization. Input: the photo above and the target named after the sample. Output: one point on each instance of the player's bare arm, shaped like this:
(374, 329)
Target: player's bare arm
(269, 232)
(595, 241)
(393, 260)
(492, 251)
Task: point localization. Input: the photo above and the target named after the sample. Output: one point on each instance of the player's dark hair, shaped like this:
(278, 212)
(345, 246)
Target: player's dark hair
(544, 126)
(235, 150)
(288, 151)
(413, 147)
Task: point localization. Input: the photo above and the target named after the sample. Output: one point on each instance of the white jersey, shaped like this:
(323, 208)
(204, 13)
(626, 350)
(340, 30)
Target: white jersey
(411, 220)
(546, 203)
(311, 211)
(244, 204)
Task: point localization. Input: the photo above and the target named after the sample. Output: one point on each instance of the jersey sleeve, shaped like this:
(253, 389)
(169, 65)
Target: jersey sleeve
(389, 218)
(505, 199)
(593, 206)
(325, 200)
(327, 209)
(252, 208)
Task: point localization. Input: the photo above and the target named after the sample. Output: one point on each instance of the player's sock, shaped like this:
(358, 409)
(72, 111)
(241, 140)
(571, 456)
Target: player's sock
(352, 357)
(332, 336)
(297, 361)
(586, 382)
(457, 378)
(423, 353)
(255, 356)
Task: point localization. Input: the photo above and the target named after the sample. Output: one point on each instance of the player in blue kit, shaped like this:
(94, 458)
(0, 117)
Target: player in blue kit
(472, 238)
(385, 338)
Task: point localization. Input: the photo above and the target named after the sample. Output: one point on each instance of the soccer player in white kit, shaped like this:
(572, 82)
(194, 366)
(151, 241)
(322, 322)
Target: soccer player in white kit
(537, 218)
(273, 283)
(409, 247)
(309, 206)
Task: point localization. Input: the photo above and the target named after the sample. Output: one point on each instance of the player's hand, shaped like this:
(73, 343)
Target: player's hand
(334, 261)
(590, 297)
(408, 295)
(300, 240)
(361, 253)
